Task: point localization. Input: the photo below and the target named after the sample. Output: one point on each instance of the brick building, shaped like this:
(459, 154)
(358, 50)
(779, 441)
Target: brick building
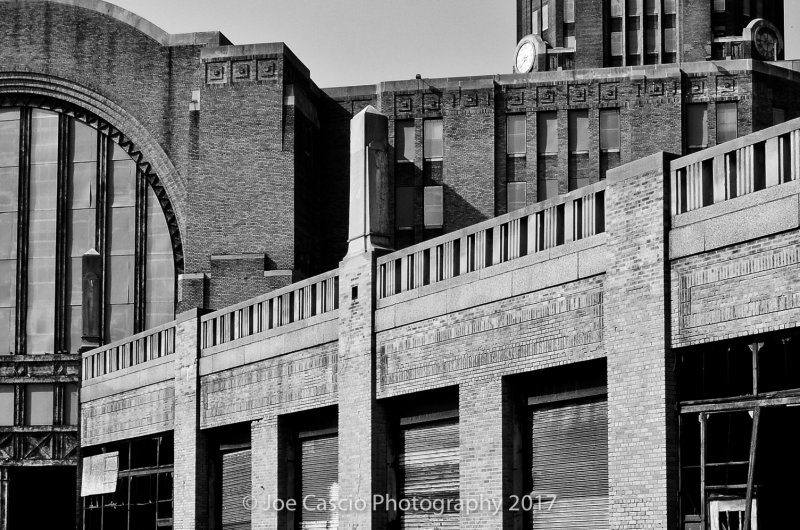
(579, 279)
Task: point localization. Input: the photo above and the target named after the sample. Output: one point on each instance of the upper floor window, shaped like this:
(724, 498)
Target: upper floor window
(719, 6)
(727, 122)
(609, 130)
(696, 126)
(579, 131)
(60, 199)
(434, 206)
(547, 133)
(433, 136)
(515, 134)
(405, 148)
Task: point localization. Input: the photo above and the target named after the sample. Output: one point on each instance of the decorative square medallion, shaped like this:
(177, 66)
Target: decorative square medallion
(215, 73)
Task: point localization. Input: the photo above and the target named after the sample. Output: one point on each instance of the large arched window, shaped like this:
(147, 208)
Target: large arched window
(66, 188)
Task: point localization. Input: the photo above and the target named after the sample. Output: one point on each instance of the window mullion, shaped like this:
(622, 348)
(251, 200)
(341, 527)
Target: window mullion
(62, 253)
(139, 272)
(22, 229)
(103, 161)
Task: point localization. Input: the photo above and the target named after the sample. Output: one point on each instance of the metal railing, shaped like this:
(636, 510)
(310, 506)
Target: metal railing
(538, 227)
(745, 165)
(131, 351)
(299, 301)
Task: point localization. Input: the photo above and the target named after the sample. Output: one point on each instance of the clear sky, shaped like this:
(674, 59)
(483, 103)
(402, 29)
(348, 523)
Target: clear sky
(352, 42)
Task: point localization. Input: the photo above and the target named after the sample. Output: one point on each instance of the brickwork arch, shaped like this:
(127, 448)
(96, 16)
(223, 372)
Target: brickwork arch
(47, 92)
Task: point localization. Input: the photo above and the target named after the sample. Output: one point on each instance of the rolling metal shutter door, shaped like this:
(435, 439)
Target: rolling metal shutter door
(320, 481)
(235, 487)
(429, 469)
(570, 460)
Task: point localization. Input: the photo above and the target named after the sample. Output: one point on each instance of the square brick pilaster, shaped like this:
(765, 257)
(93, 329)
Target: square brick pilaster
(362, 423)
(642, 461)
(191, 463)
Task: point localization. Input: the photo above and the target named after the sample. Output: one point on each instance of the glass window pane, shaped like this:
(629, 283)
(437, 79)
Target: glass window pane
(719, 6)
(517, 195)
(38, 404)
(569, 11)
(578, 131)
(84, 142)
(670, 41)
(82, 232)
(616, 8)
(609, 130)
(9, 184)
(434, 210)
(44, 186)
(633, 42)
(727, 122)
(42, 234)
(71, 404)
(122, 183)
(6, 404)
(697, 125)
(44, 137)
(404, 139)
(545, 17)
(651, 41)
(515, 131)
(547, 132)
(433, 144)
(651, 7)
(669, 7)
(778, 115)
(121, 236)
(634, 7)
(616, 43)
(75, 314)
(535, 23)
(9, 143)
(119, 322)
(746, 7)
(120, 280)
(8, 235)
(405, 208)
(8, 284)
(160, 267)
(83, 181)
(7, 335)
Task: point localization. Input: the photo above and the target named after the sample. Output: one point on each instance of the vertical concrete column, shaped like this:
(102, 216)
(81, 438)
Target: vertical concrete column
(484, 428)
(268, 464)
(642, 458)
(191, 461)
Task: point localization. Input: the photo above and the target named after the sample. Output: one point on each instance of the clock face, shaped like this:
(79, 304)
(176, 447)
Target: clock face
(765, 41)
(526, 56)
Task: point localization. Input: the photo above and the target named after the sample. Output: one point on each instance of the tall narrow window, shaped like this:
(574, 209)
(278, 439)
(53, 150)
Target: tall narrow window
(82, 197)
(609, 130)
(727, 122)
(547, 132)
(6, 405)
(433, 139)
(515, 131)
(71, 404)
(634, 8)
(159, 268)
(517, 195)
(578, 131)
(545, 17)
(697, 126)
(122, 181)
(39, 404)
(405, 150)
(536, 22)
(434, 208)
(404, 211)
(569, 11)
(9, 178)
(42, 232)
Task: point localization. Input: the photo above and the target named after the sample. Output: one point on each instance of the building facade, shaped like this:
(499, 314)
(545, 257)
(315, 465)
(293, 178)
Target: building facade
(577, 280)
